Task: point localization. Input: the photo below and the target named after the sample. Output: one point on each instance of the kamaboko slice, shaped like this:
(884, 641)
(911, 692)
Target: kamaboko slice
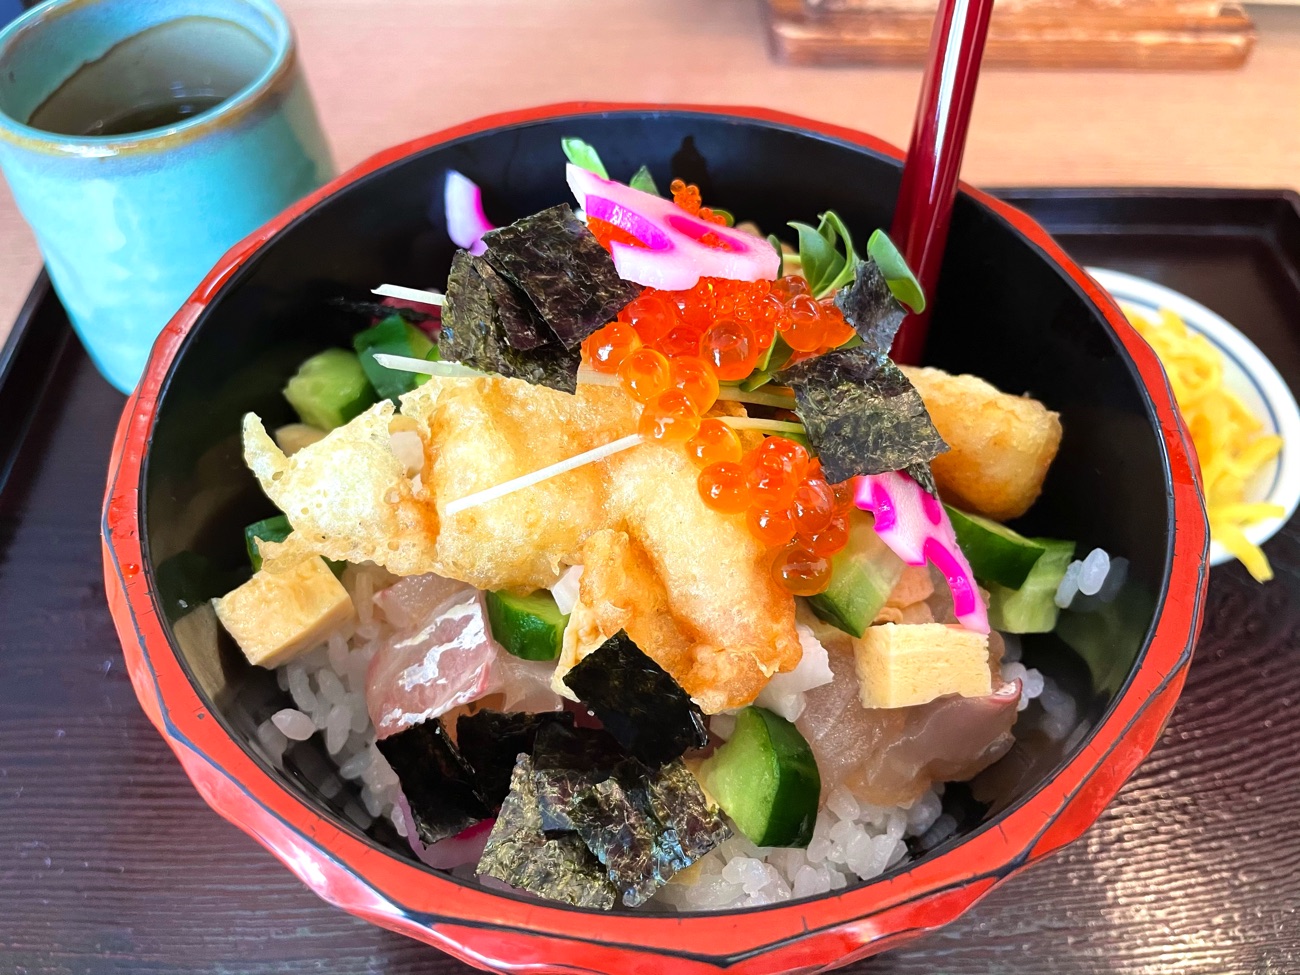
(675, 249)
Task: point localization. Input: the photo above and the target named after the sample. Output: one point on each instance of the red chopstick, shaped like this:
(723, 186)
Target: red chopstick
(925, 198)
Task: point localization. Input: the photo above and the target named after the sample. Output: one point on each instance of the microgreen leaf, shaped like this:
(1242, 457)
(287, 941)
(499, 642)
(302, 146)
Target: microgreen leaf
(643, 181)
(902, 282)
(819, 254)
(584, 155)
(729, 219)
(832, 226)
(820, 261)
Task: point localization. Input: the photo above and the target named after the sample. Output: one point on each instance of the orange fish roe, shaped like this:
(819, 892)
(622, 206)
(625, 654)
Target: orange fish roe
(670, 417)
(645, 374)
(687, 196)
(722, 486)
(733, 323)
(732, 348)
(787, 505)
(802, 572)
(813, 505)
(715, 442)
(607, 347)
(607, 233)
(771, 526)
(694, 377)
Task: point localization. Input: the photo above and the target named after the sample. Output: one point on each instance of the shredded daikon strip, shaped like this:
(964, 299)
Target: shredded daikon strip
(758, 423)
(425, 367)
(410, 294)
(1228, 438)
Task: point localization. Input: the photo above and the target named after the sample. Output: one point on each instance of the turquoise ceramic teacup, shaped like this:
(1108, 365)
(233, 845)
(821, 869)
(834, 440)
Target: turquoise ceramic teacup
(141, 139)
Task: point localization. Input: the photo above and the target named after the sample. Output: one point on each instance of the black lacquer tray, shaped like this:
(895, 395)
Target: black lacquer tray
(110, 862)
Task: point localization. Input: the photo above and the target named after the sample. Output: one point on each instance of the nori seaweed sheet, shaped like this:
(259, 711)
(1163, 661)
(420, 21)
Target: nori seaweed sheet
(557, 262)
(920, 472)
(871, 308)
(638, 854)
(568, 762)
(680, 806)
(637, 701)
(521, 326)
(492, 741)
(642, 824)
(861, 413)
(473, 333)
(437, 782)
(520, 854)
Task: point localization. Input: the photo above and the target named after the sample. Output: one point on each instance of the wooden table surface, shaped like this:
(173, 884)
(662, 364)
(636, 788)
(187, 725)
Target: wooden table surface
(110, 862)
(387, 70)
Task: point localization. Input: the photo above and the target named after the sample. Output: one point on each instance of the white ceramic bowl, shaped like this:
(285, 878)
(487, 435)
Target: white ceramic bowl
(1248, 374)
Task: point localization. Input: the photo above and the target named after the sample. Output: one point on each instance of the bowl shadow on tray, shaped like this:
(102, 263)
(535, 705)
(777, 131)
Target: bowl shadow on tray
(1003, 313)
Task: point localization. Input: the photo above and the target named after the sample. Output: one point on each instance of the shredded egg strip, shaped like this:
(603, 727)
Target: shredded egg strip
(1229, 440)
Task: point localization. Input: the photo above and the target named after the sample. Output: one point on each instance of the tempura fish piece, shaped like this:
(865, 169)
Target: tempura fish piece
(483, 431)
(1000, 446)
(716, 574)
(621, 591)
(347, 496)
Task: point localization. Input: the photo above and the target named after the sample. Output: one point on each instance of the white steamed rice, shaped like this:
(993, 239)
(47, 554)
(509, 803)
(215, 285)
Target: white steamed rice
(851, 840)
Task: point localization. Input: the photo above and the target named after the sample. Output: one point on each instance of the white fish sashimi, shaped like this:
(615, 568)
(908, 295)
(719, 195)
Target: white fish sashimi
(447, 662)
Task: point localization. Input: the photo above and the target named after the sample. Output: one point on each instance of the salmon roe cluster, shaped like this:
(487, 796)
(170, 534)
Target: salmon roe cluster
(729, 324)
(671, 350)
(785, 498)
(687, 196)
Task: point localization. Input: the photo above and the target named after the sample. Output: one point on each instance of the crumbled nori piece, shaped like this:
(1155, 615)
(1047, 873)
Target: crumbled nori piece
(637, 701)
(521, 326)
(680, 806)
(568, 763)
(436, 780)
(871, 308)
(920, 472)
(491, 742)
(520, 854)
(473, 334)
(861, 414)
(642, 824)
(638, 854)
(557, 262)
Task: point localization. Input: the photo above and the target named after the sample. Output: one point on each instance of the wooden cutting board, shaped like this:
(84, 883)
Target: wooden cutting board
(1150, 34)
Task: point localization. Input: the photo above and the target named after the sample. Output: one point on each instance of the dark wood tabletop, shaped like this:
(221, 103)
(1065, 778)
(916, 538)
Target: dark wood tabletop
(110, 862)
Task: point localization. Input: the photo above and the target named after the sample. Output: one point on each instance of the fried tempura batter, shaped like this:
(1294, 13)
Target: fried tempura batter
(690, 585)
(347, 497)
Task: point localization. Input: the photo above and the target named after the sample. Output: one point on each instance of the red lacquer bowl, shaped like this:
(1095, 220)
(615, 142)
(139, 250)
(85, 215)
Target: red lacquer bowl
(1011, 307)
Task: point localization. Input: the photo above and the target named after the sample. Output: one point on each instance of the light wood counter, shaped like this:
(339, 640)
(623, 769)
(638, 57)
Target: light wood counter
(383, 72)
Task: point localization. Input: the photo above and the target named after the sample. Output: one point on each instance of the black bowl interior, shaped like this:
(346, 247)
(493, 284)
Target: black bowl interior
(1004, 312)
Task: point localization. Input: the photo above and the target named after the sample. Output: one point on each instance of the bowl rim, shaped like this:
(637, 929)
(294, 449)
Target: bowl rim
(485, 928)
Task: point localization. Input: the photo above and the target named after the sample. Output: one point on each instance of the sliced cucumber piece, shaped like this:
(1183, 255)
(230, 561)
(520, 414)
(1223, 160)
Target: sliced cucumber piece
(393, 336)
(863, 574)
(765, 778)
(1032, 608)
(275, 529)
(530, 627)
(994, 551)
(329, 389)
